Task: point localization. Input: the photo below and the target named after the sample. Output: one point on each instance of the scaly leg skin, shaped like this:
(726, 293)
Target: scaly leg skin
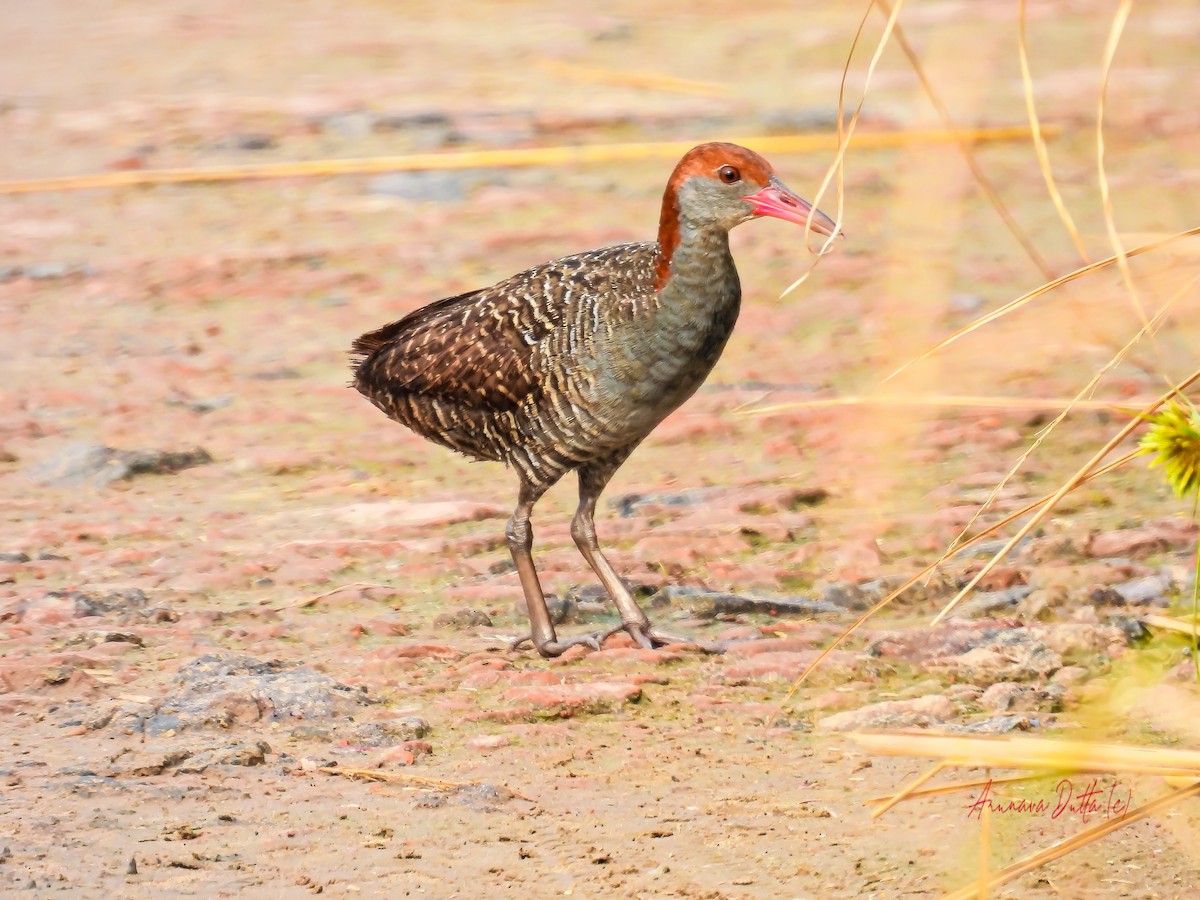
(520, 543)
(592, 481)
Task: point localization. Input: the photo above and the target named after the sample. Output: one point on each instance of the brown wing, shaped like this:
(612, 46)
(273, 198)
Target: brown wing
(473, 350)
(483, 350)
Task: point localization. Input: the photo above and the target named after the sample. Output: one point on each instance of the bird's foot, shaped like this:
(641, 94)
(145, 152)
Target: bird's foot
(649, 637)
(550, 649)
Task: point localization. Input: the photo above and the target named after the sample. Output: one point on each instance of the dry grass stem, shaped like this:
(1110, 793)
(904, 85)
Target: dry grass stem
(1039, 140)
(392, 777)
(968, 154)
(1171, 624)
(1020, 752)
(844, 136)
(310, 601)
(957, 786)
(1110, 52)
(498, 159)
(906, 791)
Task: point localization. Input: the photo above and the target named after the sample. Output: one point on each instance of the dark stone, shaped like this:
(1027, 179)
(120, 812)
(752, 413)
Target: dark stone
(1149, 591)
(1132, 628)
(283, 373)
(49, 271)
(245, 753)
(481, 797)
(202, 405)
(17, 557)
(252, 141)
(223, 689)
(709, 604)
(79, 464)
(1000, 725)
(628, 504)
(462, 618)
(389, 734)
(405, 121)
(980, 652)
(562, 609)
(845, 595)
(992, 602)
(126, 601)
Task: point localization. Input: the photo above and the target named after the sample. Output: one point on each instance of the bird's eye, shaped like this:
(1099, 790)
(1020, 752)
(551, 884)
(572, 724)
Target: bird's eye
(729, 174)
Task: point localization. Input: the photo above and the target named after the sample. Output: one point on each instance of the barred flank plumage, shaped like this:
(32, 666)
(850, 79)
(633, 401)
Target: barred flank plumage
(550, 368)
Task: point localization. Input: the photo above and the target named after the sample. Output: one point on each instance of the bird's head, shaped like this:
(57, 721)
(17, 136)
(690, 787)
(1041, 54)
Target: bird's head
(723, 185)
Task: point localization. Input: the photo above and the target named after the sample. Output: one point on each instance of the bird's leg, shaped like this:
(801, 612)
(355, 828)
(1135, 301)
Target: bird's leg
(583, 529)
(519, 534)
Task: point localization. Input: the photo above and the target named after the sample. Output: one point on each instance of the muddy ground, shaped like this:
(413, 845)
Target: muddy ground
(226, 577)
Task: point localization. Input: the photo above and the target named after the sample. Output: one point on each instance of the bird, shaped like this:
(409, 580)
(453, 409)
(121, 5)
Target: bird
(570, 365)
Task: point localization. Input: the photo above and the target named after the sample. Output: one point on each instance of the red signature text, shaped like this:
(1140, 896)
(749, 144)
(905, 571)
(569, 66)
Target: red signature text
(1086, 799)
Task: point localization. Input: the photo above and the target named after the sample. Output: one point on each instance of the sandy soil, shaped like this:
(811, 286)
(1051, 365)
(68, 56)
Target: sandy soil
(218, 316)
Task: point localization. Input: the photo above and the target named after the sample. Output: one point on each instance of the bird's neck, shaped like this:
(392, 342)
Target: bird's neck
(697, 264)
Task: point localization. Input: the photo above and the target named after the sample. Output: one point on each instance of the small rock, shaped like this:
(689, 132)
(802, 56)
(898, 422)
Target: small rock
(1000, 725)
(284, 373)
(565, 700)
(1007, 696)
(201, 405)
(462, 619)
(1079, 638)
(50, 271)
(992, 603)
(845, 595)
(920, 712)
(1133, 629)
(1041, 603)
(707, 604)
(11, 557)
(245, 753)
(785, 666)
(628, 504)
(482, 797)
(1069, 675)
(1007, 660)
(1153, 537)
(389, 733)
(58, 606)
(1152, 590)
(980, 651)
(964, 693)
(488, 742)
(425, 131)
(143, 764)
(220, 689)
(81, 464)
(252, 140)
